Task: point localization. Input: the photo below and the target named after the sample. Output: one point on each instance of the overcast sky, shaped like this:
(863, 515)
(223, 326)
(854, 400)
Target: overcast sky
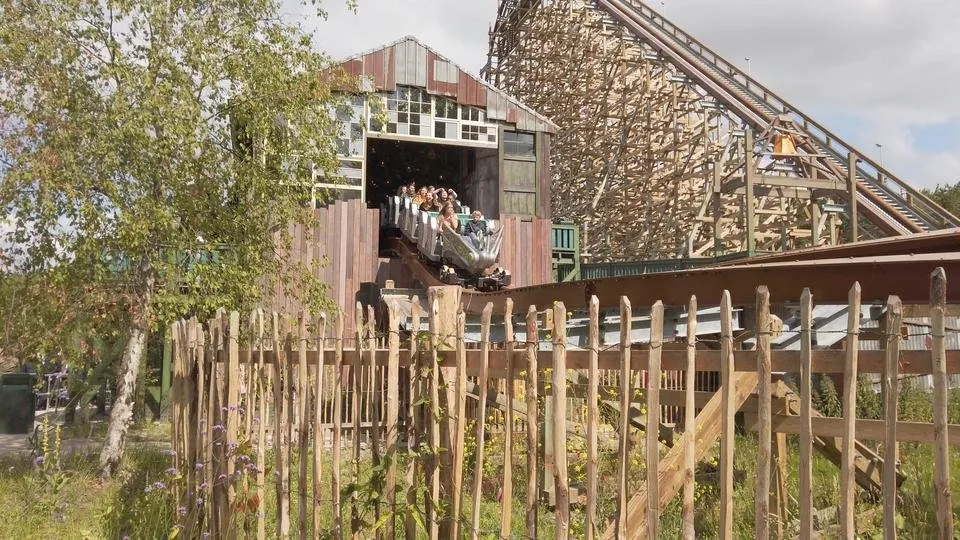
(872, 71)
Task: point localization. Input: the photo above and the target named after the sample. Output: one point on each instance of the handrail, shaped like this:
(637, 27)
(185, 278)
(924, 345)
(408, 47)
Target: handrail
(778, 105)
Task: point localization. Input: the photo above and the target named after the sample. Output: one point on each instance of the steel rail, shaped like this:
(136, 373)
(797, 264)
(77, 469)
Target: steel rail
(907, 276)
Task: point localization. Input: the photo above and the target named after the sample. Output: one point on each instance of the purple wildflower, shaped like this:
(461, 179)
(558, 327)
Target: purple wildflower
(159, 485)
(199, 501)
(182, 511)
(221, 478)
(148, 489)
(172, 453)
(219, 427)
(203, 421)
(199, 466)
(38, 461)
(172, 471)
(204, 486)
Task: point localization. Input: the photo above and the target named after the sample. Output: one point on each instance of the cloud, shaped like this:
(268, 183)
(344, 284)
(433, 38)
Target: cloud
(873, 71)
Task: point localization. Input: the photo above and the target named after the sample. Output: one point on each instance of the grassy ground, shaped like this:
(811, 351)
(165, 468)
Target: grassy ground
(40, 502)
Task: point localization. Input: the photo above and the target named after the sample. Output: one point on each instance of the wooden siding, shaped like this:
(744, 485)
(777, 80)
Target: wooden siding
(348, 240)
(411, 63)
(526, 250)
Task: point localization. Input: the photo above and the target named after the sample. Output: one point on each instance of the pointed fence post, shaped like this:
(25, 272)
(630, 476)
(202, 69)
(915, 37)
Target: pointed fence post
(848, 526)
(593, 419)
(728, 415)
(652, 447)
(626, 391)
(806, 430)
(506, 503)
(533, 338)
(690, 424)
(562, 488)
(764, 409)
(481, 417)
(941, 396)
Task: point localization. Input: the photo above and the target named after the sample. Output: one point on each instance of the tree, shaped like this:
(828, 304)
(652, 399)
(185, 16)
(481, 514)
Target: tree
(119, 130)
(946, 196)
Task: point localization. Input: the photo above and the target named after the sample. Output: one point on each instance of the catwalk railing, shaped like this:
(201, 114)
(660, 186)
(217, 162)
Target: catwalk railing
(363, 437)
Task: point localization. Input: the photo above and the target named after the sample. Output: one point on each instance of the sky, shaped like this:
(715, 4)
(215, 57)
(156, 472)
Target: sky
(872, 71)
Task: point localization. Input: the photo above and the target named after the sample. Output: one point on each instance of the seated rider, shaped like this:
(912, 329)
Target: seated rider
(448, 219)
(476, 229)
(457, 207)
(429, 203)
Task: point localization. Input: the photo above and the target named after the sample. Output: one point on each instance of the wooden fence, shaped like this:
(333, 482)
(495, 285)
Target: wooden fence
(274, 395)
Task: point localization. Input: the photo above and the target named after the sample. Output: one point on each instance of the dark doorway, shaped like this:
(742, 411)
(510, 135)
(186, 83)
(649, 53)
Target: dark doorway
(391, 164)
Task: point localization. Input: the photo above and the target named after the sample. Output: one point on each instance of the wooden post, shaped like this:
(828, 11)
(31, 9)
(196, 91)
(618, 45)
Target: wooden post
(338, 389)
(728, 414)
(356, 376)
(626, 391)
(562, 488)
(506, 502)
(891, 389)
(321, 335)
(393, 416)
(653, 420)
(433, 508)
(261, 388)
(765, 432)
(848, 484)
(814, 222)
(593, 418)
(532, 346)
(941, 396)
(303, 389)
(750, 180)
(481, 417)
(716, 209)
(461, 423)
(280, 375)
(690, 424)
(852, 194)
(375, 398)
(806, 433)
(414, 421)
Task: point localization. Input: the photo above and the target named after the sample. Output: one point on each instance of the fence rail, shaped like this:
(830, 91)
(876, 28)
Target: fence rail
(403, 403)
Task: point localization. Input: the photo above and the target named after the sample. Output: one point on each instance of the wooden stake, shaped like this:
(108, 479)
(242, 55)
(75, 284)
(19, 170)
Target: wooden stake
(653, 420)
(531, 391)
(303, 389)
(433, 509)
(414, 421)
(689, 424)
(941, 396)
(281, 373)
(374, 399)
(848, 526)
(806, 434)
(321, 336)
(562, 487)
(393, 414)
(461, 423)
(593, 418)
(357, 380)
(338, 390)
(894, 319)
(626, 391)
(481, 417)
(765, 433)
(506, 501)
(729, 411)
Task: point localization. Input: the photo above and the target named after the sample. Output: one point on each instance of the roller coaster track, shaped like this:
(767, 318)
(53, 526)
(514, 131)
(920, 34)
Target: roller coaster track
(881, 269)
(882, 199)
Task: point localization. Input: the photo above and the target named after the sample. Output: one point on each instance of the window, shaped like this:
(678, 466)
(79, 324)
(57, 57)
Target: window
(446, 108)
(409, 112)
(517, 143)
(473, 133)
(472, 114)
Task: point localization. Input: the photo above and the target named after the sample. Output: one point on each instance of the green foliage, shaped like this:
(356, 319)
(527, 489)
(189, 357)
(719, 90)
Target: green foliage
(157, 148)
(946, 196)
(825, 398)
(869, 404)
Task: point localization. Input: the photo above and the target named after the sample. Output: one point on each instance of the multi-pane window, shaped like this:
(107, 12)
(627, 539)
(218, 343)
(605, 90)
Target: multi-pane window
(473, 133)
(518, 143)
(472, 114)
(410, 112)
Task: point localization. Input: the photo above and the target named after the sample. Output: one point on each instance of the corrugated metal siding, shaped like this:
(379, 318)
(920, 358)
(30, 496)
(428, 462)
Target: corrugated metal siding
(436, 85)
(497, 106)
(410, 63)
(471, 91)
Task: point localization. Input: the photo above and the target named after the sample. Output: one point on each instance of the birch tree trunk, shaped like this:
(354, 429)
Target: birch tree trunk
(121, 414)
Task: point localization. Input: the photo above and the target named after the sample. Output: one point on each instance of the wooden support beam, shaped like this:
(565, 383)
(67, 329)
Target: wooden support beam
(749, 200)
(853, 233)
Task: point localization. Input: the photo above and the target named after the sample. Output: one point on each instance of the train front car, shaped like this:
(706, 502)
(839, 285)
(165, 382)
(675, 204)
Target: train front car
(457, 260)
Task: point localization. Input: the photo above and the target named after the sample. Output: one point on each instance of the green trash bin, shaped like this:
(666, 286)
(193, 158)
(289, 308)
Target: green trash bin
(18, 404)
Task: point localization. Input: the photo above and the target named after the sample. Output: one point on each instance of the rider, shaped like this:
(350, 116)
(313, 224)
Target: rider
(475, 229)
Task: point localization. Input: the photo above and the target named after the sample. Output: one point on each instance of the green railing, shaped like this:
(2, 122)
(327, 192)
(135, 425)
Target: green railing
(638, 268)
